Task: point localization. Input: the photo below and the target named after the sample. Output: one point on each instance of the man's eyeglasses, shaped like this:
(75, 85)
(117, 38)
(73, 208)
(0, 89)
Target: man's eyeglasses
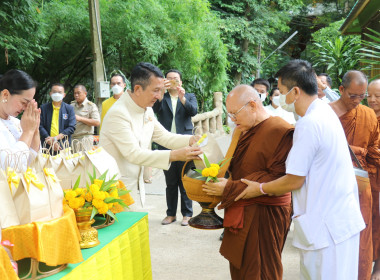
(355, 96)
(233, 116)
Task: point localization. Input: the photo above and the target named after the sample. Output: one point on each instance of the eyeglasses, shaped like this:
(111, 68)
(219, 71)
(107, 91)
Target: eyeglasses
(233, 116)
(354, 96)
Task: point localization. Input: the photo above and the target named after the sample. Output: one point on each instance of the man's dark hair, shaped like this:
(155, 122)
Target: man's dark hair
(118, 75)
(354, 75)
(299, 73)
(261, 81)
(58, 85)
(81, 87)
(15, 81)
(141, 74)
(328, 78)
(174, 71)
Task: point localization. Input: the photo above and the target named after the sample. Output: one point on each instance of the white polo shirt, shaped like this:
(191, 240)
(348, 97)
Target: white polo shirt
(328, 201)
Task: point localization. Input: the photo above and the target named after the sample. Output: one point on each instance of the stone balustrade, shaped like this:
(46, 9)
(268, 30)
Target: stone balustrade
(212, 121)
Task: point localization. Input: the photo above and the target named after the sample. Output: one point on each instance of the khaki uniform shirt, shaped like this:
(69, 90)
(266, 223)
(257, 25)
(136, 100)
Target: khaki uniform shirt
(87, 110)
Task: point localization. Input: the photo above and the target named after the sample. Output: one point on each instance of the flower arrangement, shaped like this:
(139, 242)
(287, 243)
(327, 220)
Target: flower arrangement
(106, 197)
(211, 170)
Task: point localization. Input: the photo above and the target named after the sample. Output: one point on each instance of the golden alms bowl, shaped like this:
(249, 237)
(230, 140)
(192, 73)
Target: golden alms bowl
(192, 183)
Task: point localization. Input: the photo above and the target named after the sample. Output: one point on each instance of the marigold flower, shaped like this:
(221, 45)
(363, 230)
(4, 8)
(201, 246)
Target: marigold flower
(94, 188)
(213, 171)
(103, 209)
(81, 201)
(79, 191)
(74, 203)
(206, 172)
(70, 195)
(88, 197)
(98, 182)
(215, 165)
(115, 194)
(99, 195)
(97, 203)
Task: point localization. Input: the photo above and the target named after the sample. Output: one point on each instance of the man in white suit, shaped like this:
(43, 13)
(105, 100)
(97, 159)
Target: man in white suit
(130, 126)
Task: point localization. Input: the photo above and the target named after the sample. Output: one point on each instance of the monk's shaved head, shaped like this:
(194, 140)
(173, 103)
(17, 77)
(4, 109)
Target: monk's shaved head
(354, 76)
(245, 108)
(374, 83)
(242, 94)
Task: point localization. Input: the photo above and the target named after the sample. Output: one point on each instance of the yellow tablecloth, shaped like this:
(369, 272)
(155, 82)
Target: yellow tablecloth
(123, 253)
(6, 269)
(54, 242)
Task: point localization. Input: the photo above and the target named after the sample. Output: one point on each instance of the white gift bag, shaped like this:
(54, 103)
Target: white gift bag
(211, 149)
(32, 198)
(8, 216)
(64, 174)
(102, 161)
(55, 192)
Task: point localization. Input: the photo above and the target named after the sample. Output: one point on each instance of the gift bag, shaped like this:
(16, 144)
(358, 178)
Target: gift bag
(55, 192)
(80, 169)
(210, 148)
(8, 216)
(102, 161)
(32, 198)
(64, 174)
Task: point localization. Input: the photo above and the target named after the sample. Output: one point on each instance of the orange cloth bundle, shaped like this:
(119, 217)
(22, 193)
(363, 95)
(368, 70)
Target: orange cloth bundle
(53, 242)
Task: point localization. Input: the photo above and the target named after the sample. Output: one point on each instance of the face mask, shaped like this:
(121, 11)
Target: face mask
(57, 97)
(284, 105)
(263, 96)
(116, 89)
(276, 100)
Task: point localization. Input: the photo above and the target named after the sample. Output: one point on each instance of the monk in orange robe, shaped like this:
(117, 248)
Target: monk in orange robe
(255, 229)
(362, 131)
(374, 103)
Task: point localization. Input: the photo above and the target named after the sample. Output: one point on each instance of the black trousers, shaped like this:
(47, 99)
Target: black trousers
(173, 182)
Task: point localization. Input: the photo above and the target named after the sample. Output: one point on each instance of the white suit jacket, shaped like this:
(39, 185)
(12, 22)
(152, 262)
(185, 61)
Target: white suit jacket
(127, 133)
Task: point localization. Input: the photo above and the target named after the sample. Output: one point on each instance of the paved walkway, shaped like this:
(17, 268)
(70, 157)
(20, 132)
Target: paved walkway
(186, 253)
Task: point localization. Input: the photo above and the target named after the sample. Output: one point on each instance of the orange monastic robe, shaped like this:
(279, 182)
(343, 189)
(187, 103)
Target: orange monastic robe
(375, 184)
(256, 228)
(362, 131)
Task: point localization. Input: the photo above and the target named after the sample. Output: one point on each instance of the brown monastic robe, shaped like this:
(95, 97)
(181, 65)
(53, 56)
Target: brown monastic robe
(375, 185)
(362, 131)
(256, 228)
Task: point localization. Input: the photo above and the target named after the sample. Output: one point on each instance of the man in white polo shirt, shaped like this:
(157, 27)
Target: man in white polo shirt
(319, 172)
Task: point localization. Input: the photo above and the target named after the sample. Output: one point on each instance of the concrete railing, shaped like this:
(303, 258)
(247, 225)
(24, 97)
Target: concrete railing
(211, 121)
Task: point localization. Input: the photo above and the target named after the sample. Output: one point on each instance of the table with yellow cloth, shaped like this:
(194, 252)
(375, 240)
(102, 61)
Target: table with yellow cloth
(53, 242)
(123, 253)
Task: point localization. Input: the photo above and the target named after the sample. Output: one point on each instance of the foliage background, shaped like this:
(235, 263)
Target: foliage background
(217, 44)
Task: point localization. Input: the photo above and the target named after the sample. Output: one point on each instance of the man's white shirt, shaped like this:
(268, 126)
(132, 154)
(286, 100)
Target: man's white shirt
(327, 203)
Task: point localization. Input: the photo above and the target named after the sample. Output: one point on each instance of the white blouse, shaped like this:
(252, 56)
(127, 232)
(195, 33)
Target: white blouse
(279, 112)
(10, 133)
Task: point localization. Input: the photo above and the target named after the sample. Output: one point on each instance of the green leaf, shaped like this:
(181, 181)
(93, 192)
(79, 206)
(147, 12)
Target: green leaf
(206, 160)
(94, 212)
(208, 179)
(76, 185)
(103, 176)
(109, 212)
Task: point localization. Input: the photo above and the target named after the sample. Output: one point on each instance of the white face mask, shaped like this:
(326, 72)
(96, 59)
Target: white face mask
(276, 100)
(116, 89)
(284, 105)
(56, 96)
(263, 96)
